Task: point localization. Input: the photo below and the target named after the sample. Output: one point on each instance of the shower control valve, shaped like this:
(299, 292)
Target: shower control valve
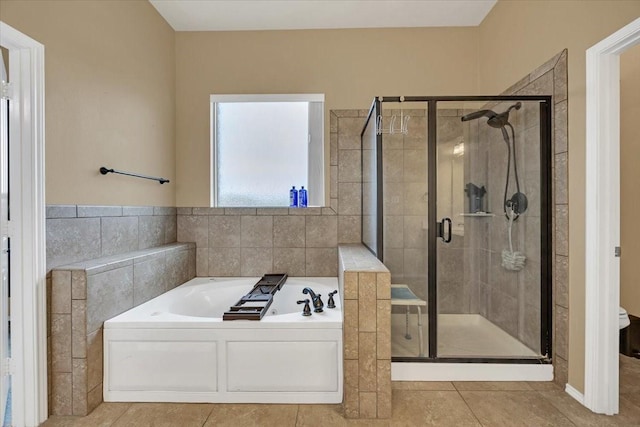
(331, 303)
(306, 311)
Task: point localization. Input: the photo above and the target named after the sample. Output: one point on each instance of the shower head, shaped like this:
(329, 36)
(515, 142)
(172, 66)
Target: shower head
(494, 119)
(477, 114)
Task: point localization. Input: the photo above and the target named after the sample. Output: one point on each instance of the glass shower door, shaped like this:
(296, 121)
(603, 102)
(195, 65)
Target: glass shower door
(452, 261)
(458, 207)
(405, 226)
(487, 244)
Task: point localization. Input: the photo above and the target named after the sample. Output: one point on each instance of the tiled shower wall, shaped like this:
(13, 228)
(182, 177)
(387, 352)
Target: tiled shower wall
(297, 241)
(551, 79)
(404, 200)
(511, 300)
(405, 206)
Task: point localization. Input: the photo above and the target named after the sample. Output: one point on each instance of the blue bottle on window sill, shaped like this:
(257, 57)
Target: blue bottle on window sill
(302, 198)
(293, 197)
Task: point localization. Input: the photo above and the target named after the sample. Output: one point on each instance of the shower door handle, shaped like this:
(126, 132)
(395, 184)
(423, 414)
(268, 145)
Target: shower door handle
(441, 233)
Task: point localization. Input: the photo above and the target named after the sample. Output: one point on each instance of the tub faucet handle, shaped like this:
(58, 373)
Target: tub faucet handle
(306, 311)
(331, 303)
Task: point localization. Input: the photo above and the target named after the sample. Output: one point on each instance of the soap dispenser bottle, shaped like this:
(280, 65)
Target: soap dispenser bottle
(302, 198)
(293, 197)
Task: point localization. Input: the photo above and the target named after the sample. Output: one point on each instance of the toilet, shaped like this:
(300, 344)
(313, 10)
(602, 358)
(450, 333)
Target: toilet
(623, 319)
(629, 334)
(625, 339)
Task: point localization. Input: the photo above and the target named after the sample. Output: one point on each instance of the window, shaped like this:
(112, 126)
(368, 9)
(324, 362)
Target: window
(262, 145)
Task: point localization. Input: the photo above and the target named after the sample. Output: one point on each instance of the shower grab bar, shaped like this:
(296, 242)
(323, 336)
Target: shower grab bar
(104, 171)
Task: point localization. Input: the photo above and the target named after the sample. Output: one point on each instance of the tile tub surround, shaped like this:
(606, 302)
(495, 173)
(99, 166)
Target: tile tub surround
(366, 292)
(83, 232)
(77, 233)
(83, 296)
(251, 242)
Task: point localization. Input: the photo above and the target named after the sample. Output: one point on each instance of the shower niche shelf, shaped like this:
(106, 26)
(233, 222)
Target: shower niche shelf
(478, 214)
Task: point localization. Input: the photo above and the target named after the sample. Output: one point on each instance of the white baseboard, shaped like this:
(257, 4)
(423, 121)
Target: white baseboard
(574, 393)
(401, 371)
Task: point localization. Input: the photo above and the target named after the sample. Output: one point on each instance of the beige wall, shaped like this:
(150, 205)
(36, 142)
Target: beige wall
(349, 66)
(629, 180)
(110, 98)
(515, 38)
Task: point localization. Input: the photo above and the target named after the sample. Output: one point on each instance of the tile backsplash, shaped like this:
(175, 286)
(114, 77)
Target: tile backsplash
(252, 242)
(79, 233)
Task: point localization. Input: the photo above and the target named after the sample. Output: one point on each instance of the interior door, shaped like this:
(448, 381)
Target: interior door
(5, 348)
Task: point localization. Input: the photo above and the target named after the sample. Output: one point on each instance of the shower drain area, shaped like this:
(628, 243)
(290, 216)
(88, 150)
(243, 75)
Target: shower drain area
(459, 335)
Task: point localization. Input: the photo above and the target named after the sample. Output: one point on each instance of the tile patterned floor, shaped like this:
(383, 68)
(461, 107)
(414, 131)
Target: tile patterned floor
(456, 404)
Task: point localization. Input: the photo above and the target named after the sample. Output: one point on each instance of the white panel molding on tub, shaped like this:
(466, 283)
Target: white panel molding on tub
(177, 348)
(602, 211)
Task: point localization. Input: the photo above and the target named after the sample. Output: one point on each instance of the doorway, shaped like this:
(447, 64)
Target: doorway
(602, 212)
(5, 272)
(24, 230)
(630, 239)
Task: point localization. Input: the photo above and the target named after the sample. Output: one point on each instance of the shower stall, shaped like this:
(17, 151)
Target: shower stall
(456, 202)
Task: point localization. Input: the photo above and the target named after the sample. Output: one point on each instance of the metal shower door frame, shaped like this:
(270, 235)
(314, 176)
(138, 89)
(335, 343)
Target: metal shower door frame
(374, 111)
(546, 204)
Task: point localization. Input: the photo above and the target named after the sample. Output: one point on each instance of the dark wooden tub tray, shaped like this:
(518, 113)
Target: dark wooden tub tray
(255, 304)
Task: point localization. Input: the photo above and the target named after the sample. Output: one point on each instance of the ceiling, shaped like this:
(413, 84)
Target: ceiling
(238, 15)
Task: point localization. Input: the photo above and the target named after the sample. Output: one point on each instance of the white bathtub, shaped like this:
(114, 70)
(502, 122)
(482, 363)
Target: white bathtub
(177, 348)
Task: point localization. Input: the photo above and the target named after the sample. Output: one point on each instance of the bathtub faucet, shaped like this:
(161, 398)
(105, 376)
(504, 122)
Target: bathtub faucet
(317, 302)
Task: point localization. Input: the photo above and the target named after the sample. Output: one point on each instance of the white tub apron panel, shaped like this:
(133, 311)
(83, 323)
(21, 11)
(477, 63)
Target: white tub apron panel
(153, 354)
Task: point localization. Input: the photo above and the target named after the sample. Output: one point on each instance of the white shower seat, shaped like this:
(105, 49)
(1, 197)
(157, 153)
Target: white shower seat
(403, 295)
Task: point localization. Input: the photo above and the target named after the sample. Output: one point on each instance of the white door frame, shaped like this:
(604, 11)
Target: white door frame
(602, 267)
(4, 245)
(27, 228)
